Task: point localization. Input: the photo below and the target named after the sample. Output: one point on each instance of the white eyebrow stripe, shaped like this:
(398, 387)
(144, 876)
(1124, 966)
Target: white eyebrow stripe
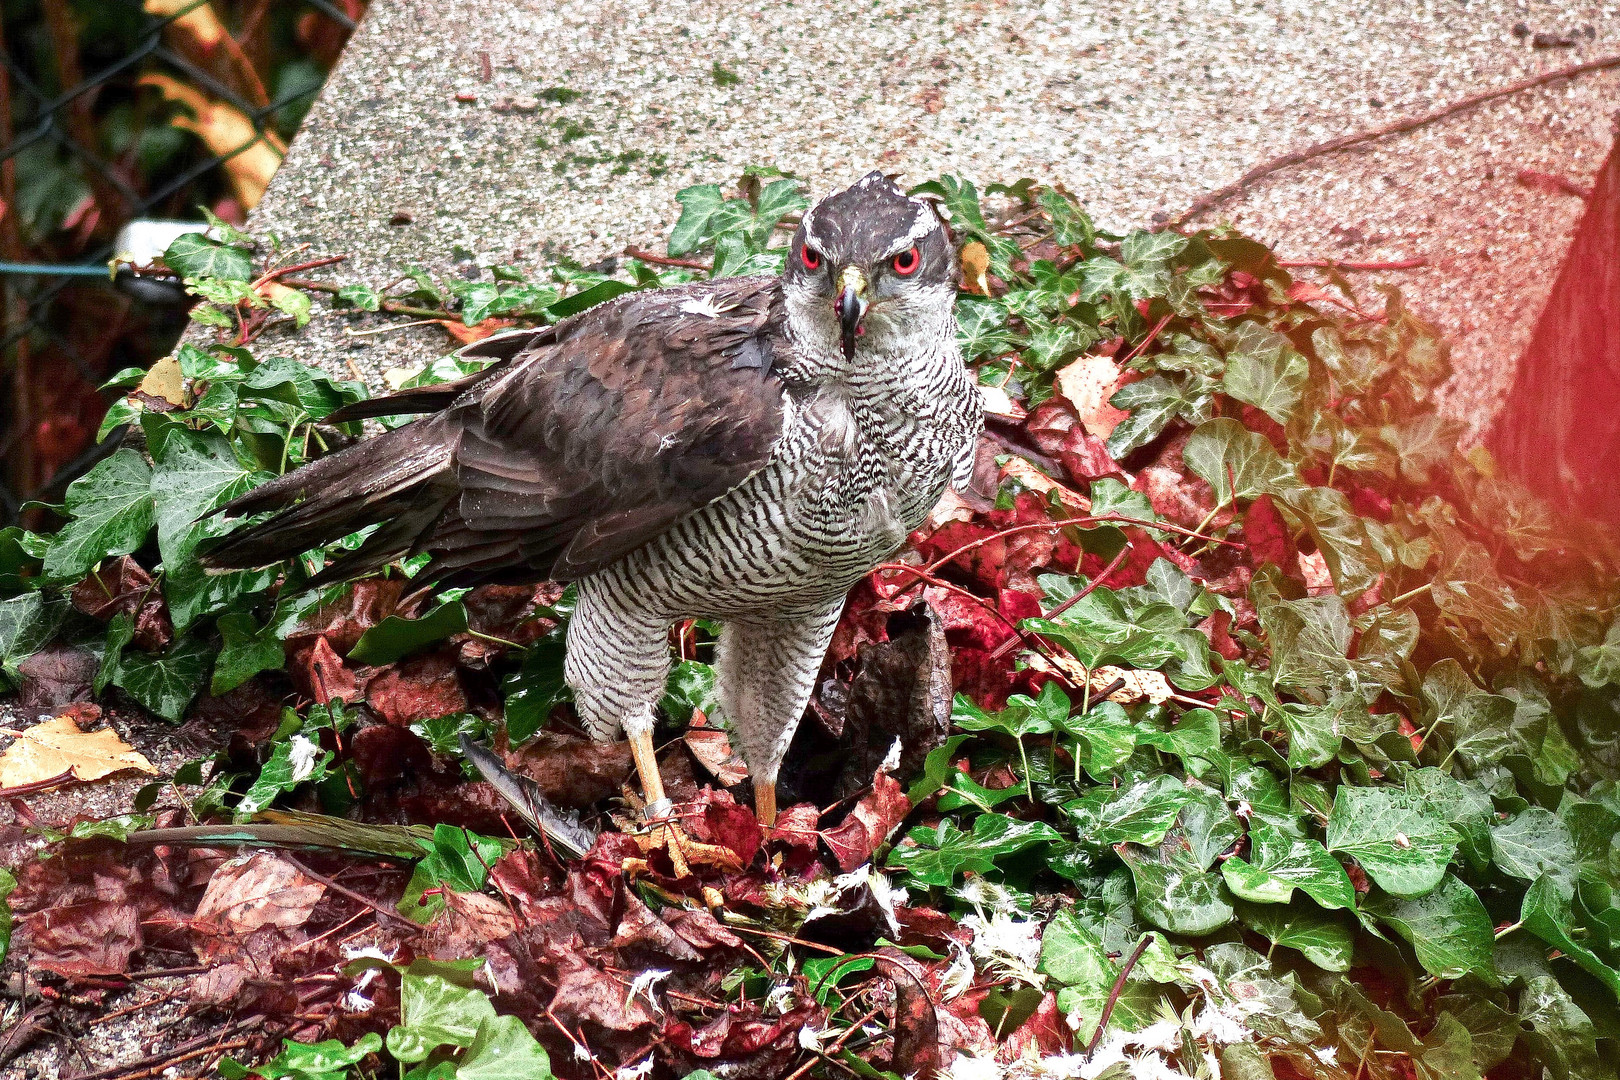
(809, 223)
(924, 223)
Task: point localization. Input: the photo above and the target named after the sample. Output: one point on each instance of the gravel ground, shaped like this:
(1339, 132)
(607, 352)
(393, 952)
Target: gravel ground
(439, 140)
(77, 1041)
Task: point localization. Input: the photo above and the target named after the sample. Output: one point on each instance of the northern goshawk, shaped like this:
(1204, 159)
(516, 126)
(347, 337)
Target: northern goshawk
(741, 449)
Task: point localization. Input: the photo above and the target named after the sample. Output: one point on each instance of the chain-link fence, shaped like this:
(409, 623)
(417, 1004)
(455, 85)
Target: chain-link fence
(113, 114)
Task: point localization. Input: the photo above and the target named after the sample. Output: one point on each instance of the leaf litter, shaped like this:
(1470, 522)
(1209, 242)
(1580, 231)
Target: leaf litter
(1233, 722)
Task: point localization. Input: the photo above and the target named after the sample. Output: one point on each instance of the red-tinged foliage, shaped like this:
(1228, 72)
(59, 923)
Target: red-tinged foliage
(55, 676)
(419, 688)
(509, 612)
(728, 824)
(869, 824)
(121, 587)
(93, 938)
(1217, 628)
(1045, 1032)
(1267, 535)
(342, 621)
(320, 674)
(742, 1041)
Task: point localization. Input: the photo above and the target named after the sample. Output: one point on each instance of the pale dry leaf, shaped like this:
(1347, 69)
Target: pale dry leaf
(1139, 684)
(1314, 569)
(251, 156)
(262, 889)
(1000, 404)
(1018, 469)
(164, 380)
(713, 751)
(1088, 383)
(52, 748)
(951, 507)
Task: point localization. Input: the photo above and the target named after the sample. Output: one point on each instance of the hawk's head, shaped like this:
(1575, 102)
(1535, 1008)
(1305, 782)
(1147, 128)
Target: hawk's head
(870, 266)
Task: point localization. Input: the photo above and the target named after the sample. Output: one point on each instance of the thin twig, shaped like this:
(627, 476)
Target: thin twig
(350, 893)
(272, 275)
(1345, 142)
(1134, 353)
(1350, 264)
(668, 260)
(66, 776)
(162, 1056)
(1007, 645)
(1113, 995)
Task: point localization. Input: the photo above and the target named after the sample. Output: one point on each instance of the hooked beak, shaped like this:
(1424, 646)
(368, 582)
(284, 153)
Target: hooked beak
(850, 306)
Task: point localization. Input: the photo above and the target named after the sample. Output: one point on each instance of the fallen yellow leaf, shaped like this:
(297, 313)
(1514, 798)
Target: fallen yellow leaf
(197, 22)
(250, 891)
(52, 748)
(1088, 383)
(164, 380)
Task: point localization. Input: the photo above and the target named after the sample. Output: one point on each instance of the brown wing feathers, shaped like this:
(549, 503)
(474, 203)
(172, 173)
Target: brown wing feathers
(587, 440)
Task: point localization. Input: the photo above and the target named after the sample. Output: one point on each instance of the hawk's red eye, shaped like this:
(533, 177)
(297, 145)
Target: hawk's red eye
(810, 257)
(907, 261)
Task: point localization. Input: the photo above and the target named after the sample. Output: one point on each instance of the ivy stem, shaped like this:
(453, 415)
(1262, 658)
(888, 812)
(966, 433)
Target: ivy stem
(1405, 596)
(1508, 929)
(493, 639)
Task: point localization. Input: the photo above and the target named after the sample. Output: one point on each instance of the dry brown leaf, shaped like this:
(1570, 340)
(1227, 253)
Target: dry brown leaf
(263, 889)
(975, 264)
(251, 156)
(164, 380)
(1088, 383)
(196, 21)
(52, 748)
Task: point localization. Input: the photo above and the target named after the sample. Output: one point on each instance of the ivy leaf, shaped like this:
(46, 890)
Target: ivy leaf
(1109, 738)
(588, 298)
(504, 1049)
(27, 624)
(1152, 403)
(1265, 371)
(699, 204)
(1546, 912)
(1076, 960)
(292, 762)
(456, 858)
(1340, 535)
(935, 856)
(1448, 927)
(1485, 727)
(193, 256)
(1463, 805)
(435, 1012)
(1174, 893)
(938, 769)
(1237, 462)
(1533, 843)
(1139, 814)
(196, 472)
(1197, 734)
(329, 1060)
(981, 325)
(397, 636)
(534, 690)
(1323, 940)
(111, 510)
(363, 297)
(293, 302)
(248, 649)
(1402, 844)
(165, 684)
(1278, 863)
(1273, 1005)
(1562, 1033)
(1310, 639)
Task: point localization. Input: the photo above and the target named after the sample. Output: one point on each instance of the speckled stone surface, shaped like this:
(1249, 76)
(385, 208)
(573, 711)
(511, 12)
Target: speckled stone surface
(436, 140)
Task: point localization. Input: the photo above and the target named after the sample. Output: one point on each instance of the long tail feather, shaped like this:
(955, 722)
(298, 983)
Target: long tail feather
(387, 477)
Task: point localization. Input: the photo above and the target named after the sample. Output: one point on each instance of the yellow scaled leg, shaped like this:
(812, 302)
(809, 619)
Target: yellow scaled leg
(652, 785)
(765, 803)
